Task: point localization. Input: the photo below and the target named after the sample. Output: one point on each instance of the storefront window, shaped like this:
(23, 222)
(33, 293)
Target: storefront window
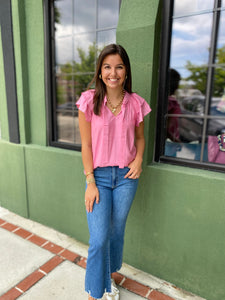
(81, 30)
(193, 117)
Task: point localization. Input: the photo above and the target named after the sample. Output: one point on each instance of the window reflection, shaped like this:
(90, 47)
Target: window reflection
(63, 17)
(215, 151)
(106, 13)
(82, 43)
(185, 7)
(106, 37)
(189, 147)
(64, 50)
(217, 105)
(85, 19)
(191, 40)
(82, 28)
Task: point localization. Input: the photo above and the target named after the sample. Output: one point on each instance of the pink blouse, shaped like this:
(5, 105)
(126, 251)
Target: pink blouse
(113, 136)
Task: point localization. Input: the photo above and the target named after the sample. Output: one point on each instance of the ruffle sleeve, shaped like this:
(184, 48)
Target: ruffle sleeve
(142, 108)
(85, 104)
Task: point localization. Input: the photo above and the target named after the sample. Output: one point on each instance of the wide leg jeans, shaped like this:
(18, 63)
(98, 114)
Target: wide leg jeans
(106, 227)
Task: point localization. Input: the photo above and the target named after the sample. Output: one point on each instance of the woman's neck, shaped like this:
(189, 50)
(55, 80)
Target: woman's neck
(114, 93)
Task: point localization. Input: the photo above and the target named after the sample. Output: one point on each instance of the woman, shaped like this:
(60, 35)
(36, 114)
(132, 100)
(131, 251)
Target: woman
(112, 135)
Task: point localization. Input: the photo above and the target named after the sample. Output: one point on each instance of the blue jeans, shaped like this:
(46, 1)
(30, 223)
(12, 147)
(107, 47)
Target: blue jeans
(106, 227)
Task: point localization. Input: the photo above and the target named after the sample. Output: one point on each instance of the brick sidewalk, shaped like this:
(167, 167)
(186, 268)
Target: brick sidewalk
(59, 254)
(62, 254)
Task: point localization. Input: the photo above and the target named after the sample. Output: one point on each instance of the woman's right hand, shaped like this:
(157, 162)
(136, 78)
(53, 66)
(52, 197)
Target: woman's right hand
(91, 195)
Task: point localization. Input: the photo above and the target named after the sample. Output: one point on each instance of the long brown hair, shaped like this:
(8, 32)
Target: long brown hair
(100, 88)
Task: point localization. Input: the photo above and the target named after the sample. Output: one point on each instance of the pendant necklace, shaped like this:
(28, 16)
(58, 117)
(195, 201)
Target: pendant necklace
(112, 107)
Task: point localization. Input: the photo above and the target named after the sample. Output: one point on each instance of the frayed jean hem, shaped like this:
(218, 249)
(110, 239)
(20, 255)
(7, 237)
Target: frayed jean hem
(89, 293)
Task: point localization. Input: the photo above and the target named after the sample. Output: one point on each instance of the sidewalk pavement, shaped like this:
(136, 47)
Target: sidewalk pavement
(39, 263)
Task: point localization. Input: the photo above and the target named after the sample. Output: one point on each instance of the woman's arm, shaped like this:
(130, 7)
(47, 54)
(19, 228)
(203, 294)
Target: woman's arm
(91, 193)
(136, 165)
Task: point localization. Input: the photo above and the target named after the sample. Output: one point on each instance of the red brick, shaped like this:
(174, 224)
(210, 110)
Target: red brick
(11, 295)
(9, 227)
(82, 262)
(51, 264)
(53, 248)
(155, 295)
(67, 254)
(30, 280)
(135, 287)
(23, 233)
(2, 222)
(117, 277)
(37, 240)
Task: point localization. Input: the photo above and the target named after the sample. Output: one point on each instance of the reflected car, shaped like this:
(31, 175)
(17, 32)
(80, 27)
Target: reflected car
(68, 109)
(191, 128)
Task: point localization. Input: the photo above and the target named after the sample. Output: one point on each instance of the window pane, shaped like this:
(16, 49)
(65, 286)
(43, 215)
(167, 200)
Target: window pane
(215, 151)
(185, 98)
(81, 84)
(106, 37)
(220, 57)
(217, 105)
(68, 129)
(185, 7)
(85, 18)
(64, 90)
(82, 44)
(108, 13)
(63, 17)
(64, 50)
(191, 41)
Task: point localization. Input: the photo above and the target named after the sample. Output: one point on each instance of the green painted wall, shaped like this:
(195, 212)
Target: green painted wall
(176, 227)
(13, 178)
(28, 26)
(56, 190)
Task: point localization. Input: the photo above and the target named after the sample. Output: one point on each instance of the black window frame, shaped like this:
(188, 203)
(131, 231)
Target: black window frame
(50, 84)
(165, 46)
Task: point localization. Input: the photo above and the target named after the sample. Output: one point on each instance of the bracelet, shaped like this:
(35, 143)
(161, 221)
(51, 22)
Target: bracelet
(89, 173)
(91, 180)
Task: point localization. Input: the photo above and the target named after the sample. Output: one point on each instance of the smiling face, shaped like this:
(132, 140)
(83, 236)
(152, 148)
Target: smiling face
(113, 71)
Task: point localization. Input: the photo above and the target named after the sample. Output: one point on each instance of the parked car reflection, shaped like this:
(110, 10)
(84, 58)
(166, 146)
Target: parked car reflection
(191, 128)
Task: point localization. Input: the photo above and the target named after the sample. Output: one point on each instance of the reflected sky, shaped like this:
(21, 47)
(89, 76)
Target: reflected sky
(191, 40)
(191, 36)
(221, 37)
(81, 24)
(184, 7)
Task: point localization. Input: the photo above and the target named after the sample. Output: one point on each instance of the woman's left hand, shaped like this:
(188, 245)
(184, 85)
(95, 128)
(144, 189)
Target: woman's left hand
(135, 169)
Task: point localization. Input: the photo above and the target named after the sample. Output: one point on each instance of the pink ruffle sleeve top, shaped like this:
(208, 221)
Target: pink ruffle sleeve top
(113, 137)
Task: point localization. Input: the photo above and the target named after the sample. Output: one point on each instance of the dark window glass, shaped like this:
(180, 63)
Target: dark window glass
(192, 120)
(81, 29)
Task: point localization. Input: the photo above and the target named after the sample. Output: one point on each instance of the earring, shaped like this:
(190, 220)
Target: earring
(100, 76)
(126, 77)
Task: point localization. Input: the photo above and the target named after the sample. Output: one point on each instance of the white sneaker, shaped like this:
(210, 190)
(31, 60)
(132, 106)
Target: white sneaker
(115, 293)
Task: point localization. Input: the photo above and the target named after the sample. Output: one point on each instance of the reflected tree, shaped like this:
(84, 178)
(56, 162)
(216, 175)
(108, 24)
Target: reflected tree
(198, 74)
(76, 75)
